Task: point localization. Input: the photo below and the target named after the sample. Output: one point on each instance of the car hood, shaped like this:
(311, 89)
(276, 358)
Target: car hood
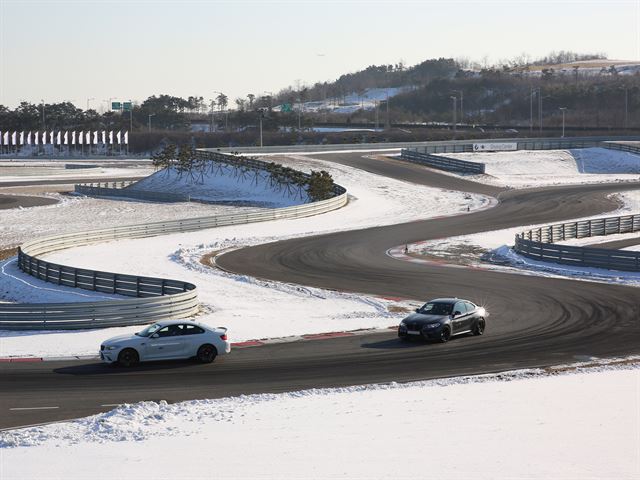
(423, 318)
(120, 339)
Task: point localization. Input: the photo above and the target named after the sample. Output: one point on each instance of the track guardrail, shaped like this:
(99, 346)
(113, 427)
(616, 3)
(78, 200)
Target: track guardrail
(442, 163)
(538, 243)
(155, 298)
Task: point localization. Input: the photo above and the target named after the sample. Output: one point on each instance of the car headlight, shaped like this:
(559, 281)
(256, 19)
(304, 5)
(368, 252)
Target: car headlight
(403, 325)
(431, 325)
(111, 347)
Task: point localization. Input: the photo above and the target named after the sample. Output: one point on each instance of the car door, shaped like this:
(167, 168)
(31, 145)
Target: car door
(472, 314)
(194, 337)
(459, 318)
(168, 342)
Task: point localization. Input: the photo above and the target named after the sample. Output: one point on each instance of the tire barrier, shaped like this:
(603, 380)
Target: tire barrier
(538, 243)
(155, 298)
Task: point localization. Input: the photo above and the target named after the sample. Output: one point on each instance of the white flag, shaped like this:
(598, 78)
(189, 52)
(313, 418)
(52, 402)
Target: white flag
(59, 139)
(6, 138)
(95, 137)
(51, 137)
(126, 137)
(104, 137)
(29, 138)
(118, 138)
(87, 138)
(66, 138)
(21, 138)
(36, 138)
(13, 138)
(111, 137)
(73, 137)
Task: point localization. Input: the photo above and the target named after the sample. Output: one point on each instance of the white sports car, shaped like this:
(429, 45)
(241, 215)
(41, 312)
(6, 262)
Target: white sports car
(170, 339)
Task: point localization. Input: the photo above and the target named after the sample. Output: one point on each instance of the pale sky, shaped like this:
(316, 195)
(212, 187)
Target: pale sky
(102, 49)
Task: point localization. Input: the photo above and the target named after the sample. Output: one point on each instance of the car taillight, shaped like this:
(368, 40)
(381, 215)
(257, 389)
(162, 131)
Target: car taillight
(224, 336)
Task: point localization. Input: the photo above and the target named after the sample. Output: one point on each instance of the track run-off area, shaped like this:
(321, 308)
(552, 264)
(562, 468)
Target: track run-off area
(534, 321)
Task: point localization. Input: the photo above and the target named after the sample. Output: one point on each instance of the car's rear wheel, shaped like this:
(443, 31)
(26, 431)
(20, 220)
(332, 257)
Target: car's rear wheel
(445, 335)
(207, 353)
(479, 327)
(128, 357)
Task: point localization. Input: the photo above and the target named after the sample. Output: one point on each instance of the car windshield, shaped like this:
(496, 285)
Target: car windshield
(434, 308)
(150, 330)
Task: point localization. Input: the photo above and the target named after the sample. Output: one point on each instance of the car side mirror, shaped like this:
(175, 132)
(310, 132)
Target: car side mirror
(456, 313)
(155, 335)
(417, 310)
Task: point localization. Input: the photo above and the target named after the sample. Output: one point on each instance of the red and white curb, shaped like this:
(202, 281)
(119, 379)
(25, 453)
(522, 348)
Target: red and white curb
(246, 344)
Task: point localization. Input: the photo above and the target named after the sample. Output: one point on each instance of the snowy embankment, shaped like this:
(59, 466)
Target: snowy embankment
(249, 307)
(525, 168)
(556, 423)
(221, 183)
(471, 249)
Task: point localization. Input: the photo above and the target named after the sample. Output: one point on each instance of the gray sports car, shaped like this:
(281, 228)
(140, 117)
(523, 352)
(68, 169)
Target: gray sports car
(442, 318)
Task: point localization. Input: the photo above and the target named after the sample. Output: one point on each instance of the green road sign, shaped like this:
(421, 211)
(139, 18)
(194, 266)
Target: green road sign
(116, 105)
(286, 107)
(126, 106)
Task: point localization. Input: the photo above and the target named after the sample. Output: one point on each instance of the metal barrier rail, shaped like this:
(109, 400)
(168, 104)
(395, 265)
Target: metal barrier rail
(442, 163)
(156, 298)
(623, 147)
(125, 192)
(538, 243)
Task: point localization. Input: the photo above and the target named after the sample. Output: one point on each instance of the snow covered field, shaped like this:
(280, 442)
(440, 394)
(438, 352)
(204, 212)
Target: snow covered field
(575, 424)
(285, 309)
(524, 168)
(223, 183)
(58, 172)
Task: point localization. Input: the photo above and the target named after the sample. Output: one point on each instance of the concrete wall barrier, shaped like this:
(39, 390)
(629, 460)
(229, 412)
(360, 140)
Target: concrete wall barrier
(442, 163)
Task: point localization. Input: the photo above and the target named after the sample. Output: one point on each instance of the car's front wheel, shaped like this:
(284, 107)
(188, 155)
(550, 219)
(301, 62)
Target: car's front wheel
(445, 335)
(128, 357)
(479, 327)
(206, 353)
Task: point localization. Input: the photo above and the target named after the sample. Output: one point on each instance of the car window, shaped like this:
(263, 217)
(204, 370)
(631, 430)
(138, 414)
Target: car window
(460, 308)
(170, 331)
(434, 308)
(470, 306)
(191, 330)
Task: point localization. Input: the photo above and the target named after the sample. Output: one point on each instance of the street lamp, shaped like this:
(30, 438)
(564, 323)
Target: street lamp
(88, 100)
(563, 109)
(151, 115)
(461, 103)
(42, 113)
(455, 108)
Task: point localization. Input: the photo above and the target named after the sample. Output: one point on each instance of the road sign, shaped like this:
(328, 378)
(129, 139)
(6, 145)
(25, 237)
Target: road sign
(126, 106)
(286, 107)
(116, 105)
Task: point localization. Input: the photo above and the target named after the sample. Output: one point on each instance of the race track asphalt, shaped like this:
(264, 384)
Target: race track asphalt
(534, 321)
(24, 201)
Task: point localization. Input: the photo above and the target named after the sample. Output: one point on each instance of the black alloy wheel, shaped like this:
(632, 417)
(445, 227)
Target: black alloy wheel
(207, 353)
(479, 327)
(128, 357)
(445, 335)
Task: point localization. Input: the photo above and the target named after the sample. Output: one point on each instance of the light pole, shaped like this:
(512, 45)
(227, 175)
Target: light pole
(388, 123)
(88, 100)
(455, 108)
(563, 109)
(130, 118)
(42, 114)
(151, 115)
(461, 103)
(626, 106)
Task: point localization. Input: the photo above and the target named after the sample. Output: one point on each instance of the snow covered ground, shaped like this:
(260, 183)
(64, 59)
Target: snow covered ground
(224, 183)
(471, 249)
(284, 309)
(57, 171)
(75, 213)
(564, 423)
(525, 168)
